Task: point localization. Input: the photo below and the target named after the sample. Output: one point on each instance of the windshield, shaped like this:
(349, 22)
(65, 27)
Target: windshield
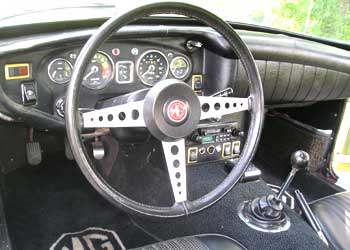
(323, 18)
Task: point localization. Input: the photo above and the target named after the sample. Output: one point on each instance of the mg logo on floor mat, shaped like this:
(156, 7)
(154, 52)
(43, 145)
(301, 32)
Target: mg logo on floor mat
(89, 239)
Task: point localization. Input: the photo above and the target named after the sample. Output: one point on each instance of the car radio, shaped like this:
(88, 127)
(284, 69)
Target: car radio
(212, 143)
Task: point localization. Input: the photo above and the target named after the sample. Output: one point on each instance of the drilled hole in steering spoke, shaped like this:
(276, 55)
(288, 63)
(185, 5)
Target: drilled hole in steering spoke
(205, 107)
(110, 117)
(174, 150)
(234, 104)
(227, 105)
(135, 114)
(176, 163)
(217, 106)
(100, 118)
(122, 116)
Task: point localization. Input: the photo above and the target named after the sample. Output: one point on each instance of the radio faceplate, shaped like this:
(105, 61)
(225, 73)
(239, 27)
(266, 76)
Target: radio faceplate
(213, 143)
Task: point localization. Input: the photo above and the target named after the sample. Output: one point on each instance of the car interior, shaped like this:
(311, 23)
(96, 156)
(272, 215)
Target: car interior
(149, 131)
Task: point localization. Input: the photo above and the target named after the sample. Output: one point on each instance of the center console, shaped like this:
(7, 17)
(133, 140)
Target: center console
(214, 142)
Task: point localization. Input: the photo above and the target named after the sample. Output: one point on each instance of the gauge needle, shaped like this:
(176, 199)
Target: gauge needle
(94, 69)
(150, 69)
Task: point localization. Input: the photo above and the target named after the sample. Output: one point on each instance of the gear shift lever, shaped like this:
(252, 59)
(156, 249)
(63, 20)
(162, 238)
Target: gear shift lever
(300, 160)
(266, 213)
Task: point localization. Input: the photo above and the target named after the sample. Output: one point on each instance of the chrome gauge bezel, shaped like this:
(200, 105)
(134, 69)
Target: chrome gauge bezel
(189, 68)
(139, 61)
(50, 65)
(110, 78)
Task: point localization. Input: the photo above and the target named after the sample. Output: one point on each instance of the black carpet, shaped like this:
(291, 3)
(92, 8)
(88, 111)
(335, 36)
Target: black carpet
(143, 177)
(223, 218)
(43, 203)
(150, 182)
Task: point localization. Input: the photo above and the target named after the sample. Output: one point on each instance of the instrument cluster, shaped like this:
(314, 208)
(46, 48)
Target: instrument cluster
(147, 68)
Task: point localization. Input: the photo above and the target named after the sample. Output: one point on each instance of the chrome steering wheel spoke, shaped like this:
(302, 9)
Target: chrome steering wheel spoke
(216, 107)
(175, 157)
(120, 116)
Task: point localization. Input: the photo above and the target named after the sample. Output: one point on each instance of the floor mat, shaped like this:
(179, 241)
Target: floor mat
(92, 238)
(43, 203)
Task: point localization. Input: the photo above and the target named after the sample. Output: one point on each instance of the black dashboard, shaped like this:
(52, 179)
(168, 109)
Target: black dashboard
(118, 67)
(138, 56)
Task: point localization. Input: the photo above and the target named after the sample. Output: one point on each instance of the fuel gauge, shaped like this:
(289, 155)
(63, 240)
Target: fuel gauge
(179, 67)
(60, 70)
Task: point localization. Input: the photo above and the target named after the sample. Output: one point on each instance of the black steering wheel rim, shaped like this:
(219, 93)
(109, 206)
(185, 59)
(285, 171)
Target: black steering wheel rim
(73, 119)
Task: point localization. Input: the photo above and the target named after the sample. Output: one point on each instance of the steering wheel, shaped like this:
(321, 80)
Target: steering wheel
(170, 111)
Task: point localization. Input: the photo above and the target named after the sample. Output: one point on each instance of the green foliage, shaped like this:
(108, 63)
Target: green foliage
(329, 18)
(257, 17)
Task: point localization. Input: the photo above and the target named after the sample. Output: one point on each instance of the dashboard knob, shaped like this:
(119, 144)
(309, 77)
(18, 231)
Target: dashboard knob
(197, 138)
(237, 133)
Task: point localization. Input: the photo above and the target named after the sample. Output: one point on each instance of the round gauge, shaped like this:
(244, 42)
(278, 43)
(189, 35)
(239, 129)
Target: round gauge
(179, 67)
(99, 72)
(60, 70)
(152, 67)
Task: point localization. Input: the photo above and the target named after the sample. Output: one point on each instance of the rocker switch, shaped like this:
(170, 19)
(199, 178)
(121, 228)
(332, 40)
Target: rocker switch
(192, 155)
(227, 149)
(29, 96)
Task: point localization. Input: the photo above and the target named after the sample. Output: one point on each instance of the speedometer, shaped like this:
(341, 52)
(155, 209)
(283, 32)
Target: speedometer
(99, 72)
(152, 67)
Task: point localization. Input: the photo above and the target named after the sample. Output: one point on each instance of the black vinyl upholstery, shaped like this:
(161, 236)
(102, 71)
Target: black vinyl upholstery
(333, 214)
(286, 82)
(197, 242)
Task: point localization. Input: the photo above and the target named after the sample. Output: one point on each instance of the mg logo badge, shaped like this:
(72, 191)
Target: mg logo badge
(177, 111)
(89, 239)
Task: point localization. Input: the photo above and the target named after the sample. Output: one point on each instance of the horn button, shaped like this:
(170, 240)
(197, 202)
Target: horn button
(176, 111)
(171, 110)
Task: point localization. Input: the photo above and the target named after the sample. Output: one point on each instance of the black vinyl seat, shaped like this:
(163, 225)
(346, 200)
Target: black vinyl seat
(197, 242)
(333, 214)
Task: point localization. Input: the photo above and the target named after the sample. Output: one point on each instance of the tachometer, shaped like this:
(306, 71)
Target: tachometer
(99, 72)
(60, 70)
(179, 67)
(152, 67)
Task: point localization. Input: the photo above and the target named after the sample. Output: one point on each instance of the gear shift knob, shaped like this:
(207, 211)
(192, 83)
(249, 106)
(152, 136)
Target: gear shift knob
(300, 160)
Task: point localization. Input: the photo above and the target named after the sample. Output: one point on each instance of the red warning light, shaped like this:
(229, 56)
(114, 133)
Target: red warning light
(116, 52)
